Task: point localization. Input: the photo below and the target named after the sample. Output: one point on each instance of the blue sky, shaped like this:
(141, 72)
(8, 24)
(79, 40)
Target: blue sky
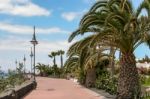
(54, 21)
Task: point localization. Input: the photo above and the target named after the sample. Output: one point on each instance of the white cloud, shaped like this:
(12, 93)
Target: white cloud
(23, 44)
(89, 1)
(22, 29)
(14, 48)
(70, 16)
(16, 44)
(22, 8)
(45, 46)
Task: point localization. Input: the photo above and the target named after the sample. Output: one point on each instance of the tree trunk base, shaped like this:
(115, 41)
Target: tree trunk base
(128, 83)
(90, 77)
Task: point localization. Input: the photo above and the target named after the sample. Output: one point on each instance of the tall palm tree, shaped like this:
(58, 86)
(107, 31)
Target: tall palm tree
(53, 55)
(117, 24)
(61, 53)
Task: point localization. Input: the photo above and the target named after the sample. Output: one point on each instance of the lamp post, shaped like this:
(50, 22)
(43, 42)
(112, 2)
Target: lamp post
(31, 55)
(34, 42)
(16, 64)
(24, 59)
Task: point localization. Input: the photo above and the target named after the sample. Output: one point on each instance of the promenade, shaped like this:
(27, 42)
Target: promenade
(49, 88)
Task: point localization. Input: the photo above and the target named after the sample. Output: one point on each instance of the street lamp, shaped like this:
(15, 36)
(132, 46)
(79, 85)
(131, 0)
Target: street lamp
(31, 55)
(34, 42)
(16, 64)
(24, 59)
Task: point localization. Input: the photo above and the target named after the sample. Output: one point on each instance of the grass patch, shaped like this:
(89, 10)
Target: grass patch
(146, 85)
(145, 80)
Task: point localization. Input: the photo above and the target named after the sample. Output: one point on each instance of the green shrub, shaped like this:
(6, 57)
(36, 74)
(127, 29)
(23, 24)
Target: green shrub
(104, 82)
(3, 84)
(81, 77)
(14, 78)
(146, 96)
(145, 80)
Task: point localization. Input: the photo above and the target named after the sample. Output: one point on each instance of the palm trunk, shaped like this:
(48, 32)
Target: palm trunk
(112, 63)
(82, 76)
(61, 58)
(54, 66)
(128, 83)
(119, 54)
(90, 77)
(54, 61)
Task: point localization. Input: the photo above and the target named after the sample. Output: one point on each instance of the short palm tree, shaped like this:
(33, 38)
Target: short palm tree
(86, 59)
(71, 64)
(117, 24)
(40, 68)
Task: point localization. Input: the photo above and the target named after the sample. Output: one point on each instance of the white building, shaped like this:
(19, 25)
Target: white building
(144, 65)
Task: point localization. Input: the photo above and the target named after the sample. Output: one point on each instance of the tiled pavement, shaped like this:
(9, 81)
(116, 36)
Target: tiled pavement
(49, 88)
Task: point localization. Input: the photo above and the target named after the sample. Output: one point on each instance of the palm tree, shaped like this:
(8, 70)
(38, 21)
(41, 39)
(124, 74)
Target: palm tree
(43, 69)
(61, 53)
(53, 55)
(112, 60)
(40, 67)
(73, 62)
(117, 24)
(80, 56)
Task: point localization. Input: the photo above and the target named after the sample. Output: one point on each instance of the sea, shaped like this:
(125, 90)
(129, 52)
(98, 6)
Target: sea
(3, 74)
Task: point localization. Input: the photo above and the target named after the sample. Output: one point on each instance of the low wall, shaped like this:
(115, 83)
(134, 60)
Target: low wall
(20, 91)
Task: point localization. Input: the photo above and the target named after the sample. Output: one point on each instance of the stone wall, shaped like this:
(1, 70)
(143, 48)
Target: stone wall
(19, 92)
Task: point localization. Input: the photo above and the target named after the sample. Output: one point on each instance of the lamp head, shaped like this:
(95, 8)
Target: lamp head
(24, 58)
(34, 41)
(31, 55)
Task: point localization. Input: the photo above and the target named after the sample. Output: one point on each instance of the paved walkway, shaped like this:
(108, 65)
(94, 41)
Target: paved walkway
(49, 88)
